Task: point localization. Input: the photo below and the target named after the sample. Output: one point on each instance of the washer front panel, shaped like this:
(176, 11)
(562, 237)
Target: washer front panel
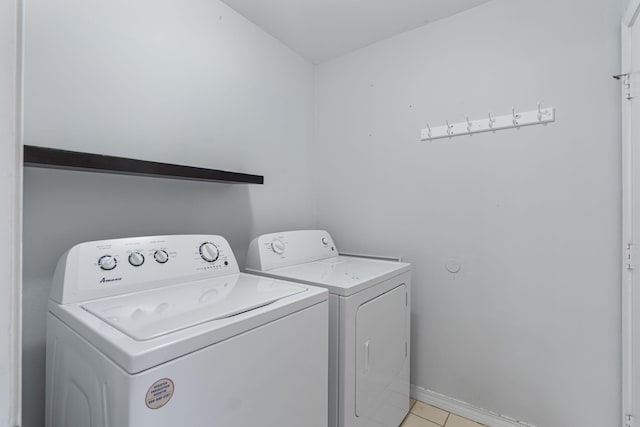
(272, 375)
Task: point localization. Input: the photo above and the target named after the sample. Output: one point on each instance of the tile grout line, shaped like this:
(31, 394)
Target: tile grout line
(446, 419)
(427, 419)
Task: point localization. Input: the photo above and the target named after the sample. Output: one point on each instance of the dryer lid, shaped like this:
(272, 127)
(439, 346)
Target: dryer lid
(151, 314)
(342, 275)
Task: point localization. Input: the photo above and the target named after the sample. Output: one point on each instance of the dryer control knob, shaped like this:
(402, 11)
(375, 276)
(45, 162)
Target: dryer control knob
(136, 259)
(161, 256)
(107, 262)
(325, 241)
(209, 252)
(278, 246)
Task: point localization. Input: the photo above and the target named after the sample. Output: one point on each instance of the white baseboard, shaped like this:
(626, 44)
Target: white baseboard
(463, 409)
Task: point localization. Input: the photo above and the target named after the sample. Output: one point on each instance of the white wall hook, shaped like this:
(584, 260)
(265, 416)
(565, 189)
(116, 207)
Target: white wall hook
(537, 116)
(491, 121)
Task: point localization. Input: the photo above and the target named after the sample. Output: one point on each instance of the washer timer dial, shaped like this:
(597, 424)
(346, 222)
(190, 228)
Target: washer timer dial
(209, 252)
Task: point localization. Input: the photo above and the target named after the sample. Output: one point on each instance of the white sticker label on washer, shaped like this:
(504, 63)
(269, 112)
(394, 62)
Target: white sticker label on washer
(159, 394)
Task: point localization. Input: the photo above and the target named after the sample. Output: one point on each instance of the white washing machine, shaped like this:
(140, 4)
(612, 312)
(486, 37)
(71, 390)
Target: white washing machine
(165, 331)
(369, 322)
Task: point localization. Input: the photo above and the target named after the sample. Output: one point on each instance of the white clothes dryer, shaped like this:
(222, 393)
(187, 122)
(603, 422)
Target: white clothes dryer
(369, 322)
(165, 331)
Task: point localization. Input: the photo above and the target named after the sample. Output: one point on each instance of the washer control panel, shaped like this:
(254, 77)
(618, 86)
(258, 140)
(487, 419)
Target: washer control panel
(287, 248)
(112, 267)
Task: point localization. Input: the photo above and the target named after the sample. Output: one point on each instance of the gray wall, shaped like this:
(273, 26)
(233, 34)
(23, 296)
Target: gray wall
(187, 82)
(530, 326)
(10, 214)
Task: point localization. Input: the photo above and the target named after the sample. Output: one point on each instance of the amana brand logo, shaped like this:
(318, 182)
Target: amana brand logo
(105, 280)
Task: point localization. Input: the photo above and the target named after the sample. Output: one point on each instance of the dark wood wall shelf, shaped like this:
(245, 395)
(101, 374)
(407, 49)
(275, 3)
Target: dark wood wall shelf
(43, 157)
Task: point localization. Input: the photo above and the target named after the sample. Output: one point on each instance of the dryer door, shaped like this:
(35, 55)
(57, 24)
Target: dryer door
(382, 333)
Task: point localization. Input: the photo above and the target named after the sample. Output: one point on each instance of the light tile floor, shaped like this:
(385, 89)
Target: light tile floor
(424, 415)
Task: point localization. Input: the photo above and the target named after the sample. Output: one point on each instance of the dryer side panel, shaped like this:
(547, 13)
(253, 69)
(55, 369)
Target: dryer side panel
(334, 357)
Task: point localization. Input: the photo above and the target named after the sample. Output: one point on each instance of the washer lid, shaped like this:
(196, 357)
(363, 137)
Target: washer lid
(342, 275)
(151, 314)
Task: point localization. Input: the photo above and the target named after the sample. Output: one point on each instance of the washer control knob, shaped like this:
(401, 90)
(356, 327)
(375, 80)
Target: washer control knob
(107, 262)
(161, 256)
(277, 246)
(209, 252)
(325, 241)
(136, 259)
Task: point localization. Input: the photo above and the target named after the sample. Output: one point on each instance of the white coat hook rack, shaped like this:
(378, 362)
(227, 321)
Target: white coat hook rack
(469, 127)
